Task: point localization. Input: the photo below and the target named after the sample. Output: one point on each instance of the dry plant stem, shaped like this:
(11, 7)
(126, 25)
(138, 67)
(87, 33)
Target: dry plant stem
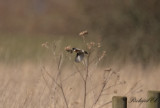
(92, 89)
(57, 76)
(85, 80)
(132, 88)
(61, 85)
(112, 86)
(85, 94)
(55, 81)
(74, 73)
(49, 85)
(62, 90)
(45, 81)
(79, 72)
(105, 88)
(84, 39)
(99, 94)
(102, 89)
(105, 104)
(41, 95)
(136, 90)
(53, 48)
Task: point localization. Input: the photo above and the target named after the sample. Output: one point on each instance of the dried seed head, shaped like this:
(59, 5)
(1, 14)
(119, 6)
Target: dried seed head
(102, 56)
(45, 45)
(89, 46)
(83, 33)
(98, 45)
(68, 49)
(104, 52)
(92, 43)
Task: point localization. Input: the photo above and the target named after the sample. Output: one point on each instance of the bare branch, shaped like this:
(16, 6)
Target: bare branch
(79, 72)
(69, 76)
(105, 104)
(133, 87)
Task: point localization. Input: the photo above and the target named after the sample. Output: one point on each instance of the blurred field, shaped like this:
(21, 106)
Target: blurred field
(23, 86)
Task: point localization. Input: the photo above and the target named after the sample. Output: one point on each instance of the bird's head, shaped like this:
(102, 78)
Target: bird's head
(74, 49)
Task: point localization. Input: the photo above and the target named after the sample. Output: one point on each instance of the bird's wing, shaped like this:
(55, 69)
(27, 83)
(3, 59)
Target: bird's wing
(78, 50)
(79, 57)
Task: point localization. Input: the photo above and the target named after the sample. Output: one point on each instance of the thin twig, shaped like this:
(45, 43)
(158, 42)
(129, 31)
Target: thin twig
(99, 94)
(52, 78)
(45, 81)
(69, 76)
(134, 86)
(102, 89)
(79, 72)
(61, 85)
(64, 96)
(105, 104)
(94, 88)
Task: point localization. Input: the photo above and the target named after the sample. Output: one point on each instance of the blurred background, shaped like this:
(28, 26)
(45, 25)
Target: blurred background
(128, 29)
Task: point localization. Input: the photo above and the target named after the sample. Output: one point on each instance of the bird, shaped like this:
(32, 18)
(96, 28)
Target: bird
(80, 53)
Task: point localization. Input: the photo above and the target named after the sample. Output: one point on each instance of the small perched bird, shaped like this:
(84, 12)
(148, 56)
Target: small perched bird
(80, 54)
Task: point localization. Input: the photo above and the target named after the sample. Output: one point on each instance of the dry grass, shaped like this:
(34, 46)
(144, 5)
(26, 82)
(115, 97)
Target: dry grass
(62, 83)
(22, 86)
